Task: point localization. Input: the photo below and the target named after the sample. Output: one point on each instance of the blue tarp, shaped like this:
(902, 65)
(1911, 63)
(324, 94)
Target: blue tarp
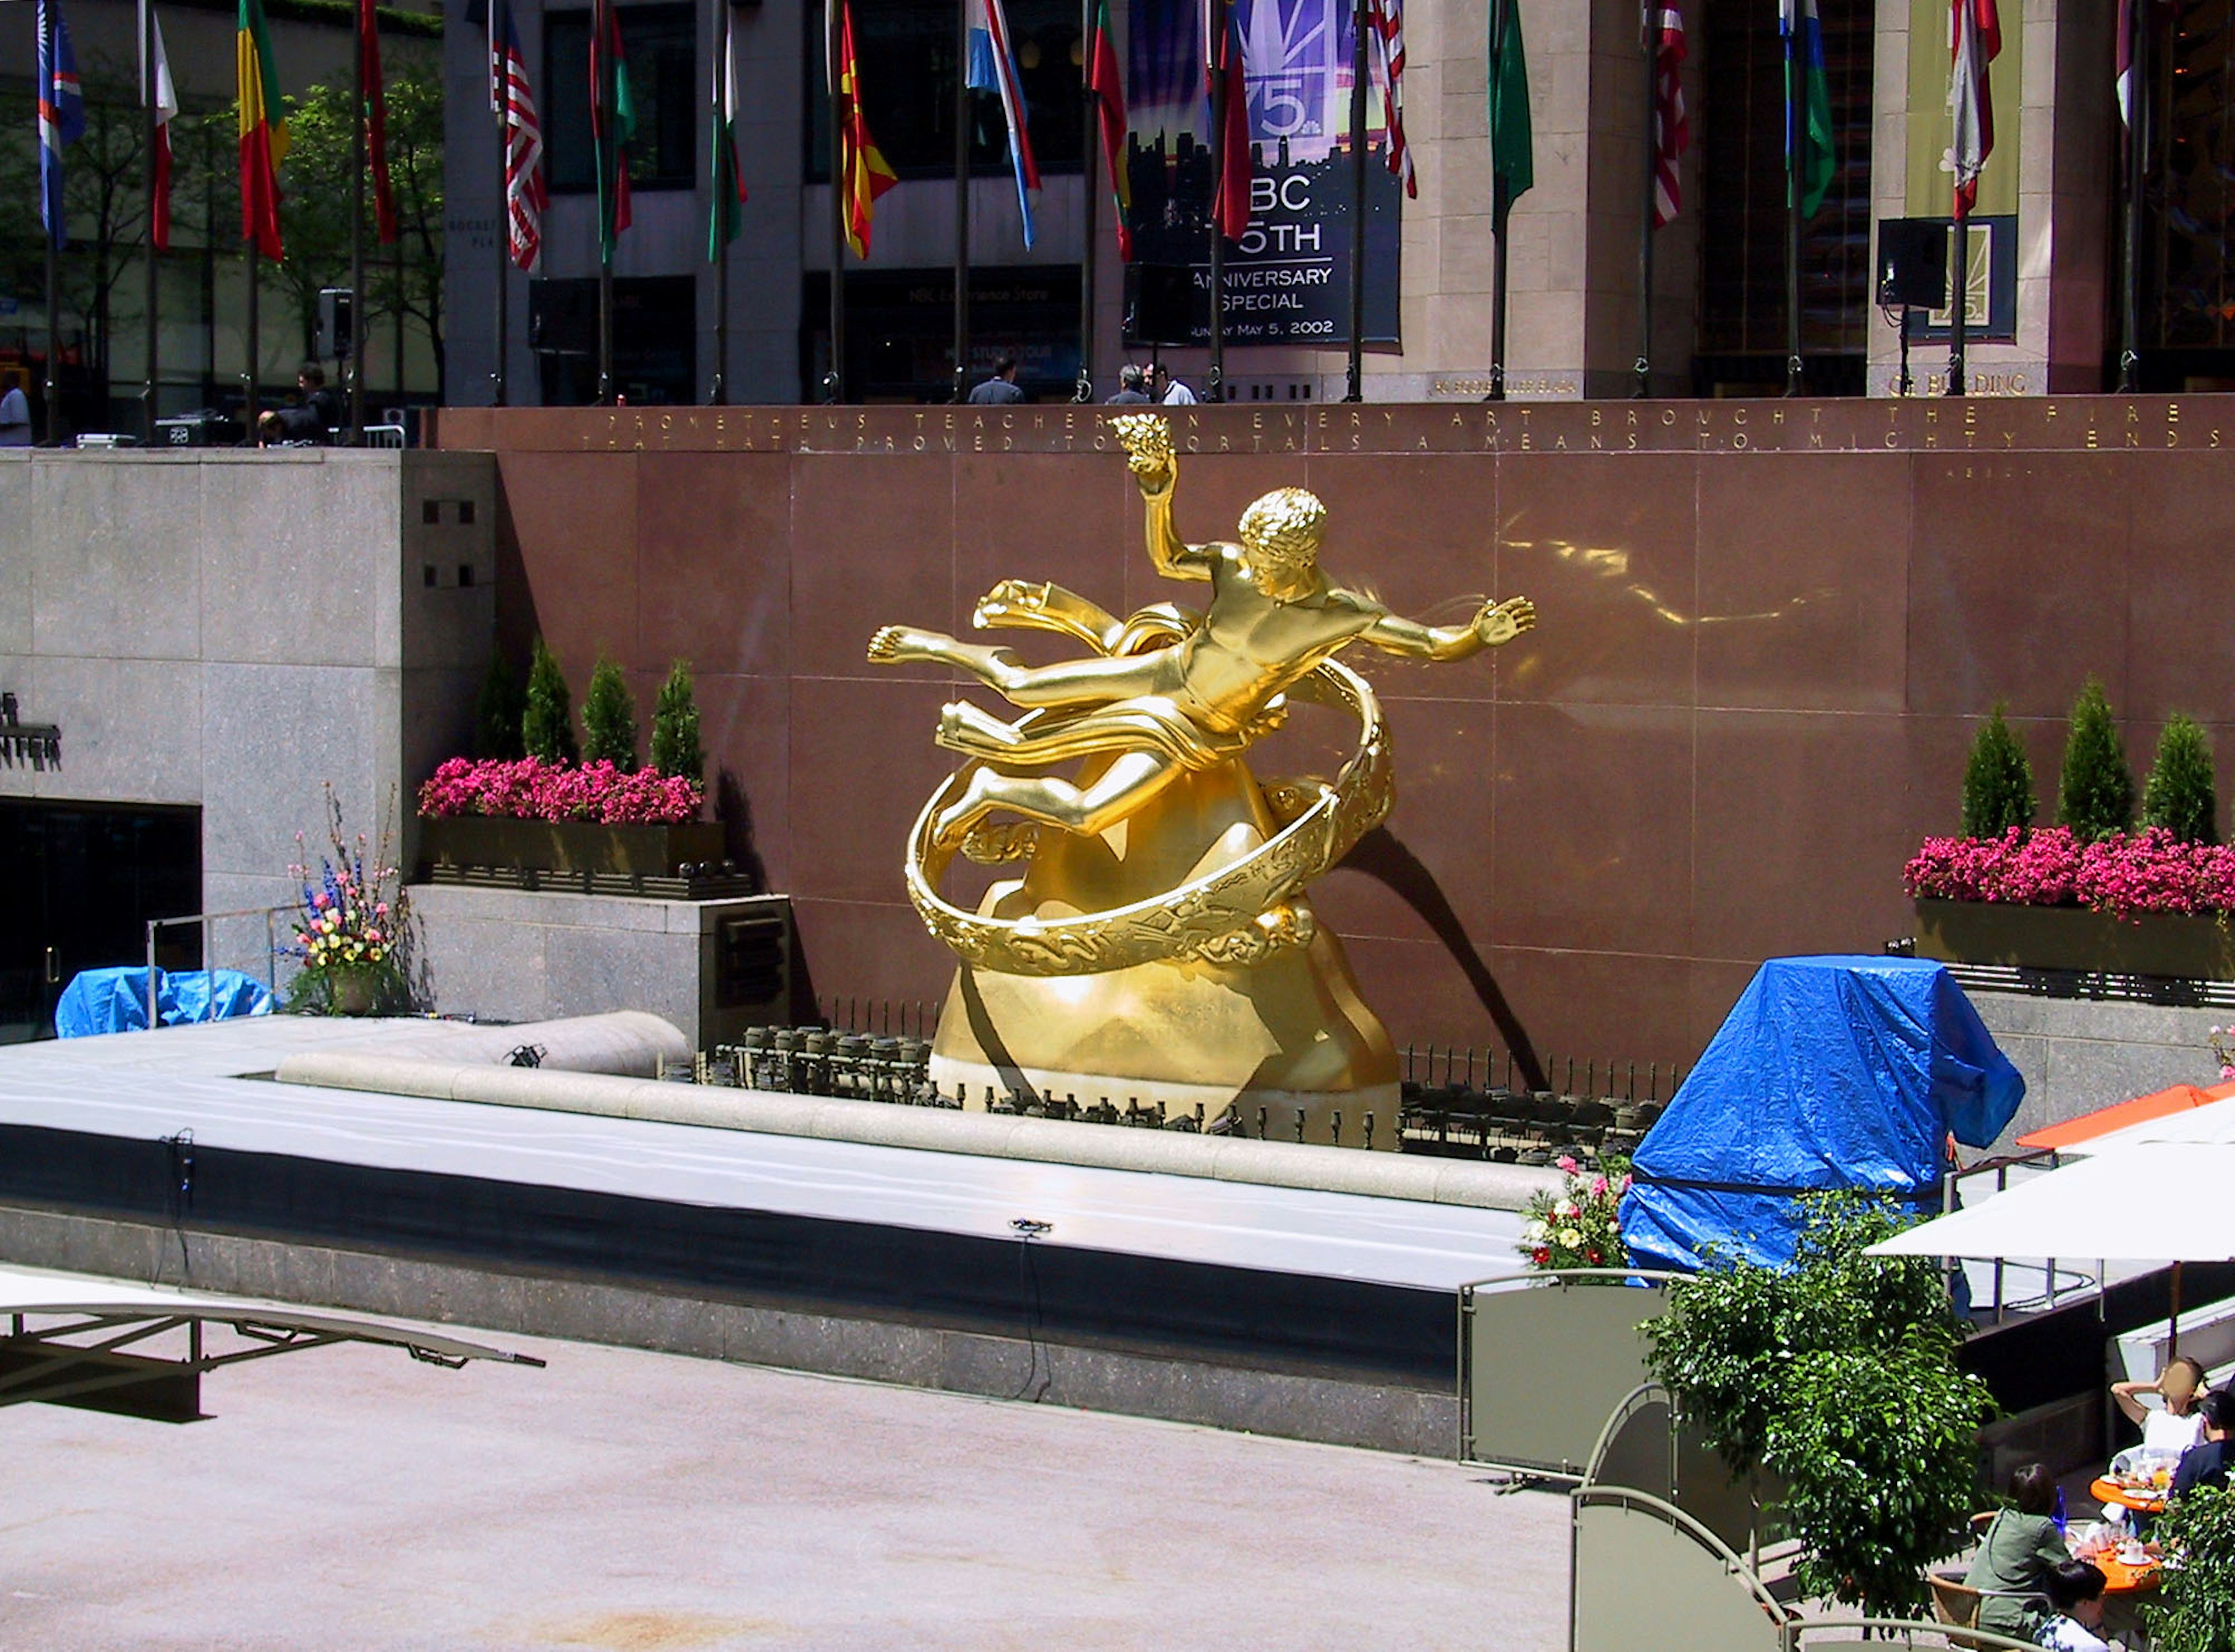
(1828, 1072)
(115, 1001)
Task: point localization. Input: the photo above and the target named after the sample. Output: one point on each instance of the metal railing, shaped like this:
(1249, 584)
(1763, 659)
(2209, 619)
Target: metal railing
(207, 922)
(2056, 1282)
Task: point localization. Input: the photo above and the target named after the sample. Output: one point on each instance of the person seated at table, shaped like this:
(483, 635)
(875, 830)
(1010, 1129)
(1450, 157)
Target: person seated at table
(2170, 1429)
(2205, 1463)
(2021, 1548)
(2075, 1602)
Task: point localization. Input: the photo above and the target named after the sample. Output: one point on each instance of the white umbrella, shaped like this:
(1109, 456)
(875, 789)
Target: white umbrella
(2213, 1123)
(2149, 1202)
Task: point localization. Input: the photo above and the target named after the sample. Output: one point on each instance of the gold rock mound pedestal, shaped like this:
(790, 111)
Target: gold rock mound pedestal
(1156, 947)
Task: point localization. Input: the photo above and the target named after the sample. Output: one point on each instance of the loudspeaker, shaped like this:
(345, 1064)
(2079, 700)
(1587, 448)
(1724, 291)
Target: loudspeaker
(336, 324)
(1913, 262)
(1164, 306)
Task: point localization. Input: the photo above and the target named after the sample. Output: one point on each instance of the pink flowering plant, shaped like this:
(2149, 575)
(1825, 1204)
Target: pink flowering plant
(1580, 1226)
(2125, 874)
(349, 933)
(532, 788)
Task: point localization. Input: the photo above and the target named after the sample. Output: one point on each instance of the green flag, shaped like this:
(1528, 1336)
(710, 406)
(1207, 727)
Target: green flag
(1512, 159)
(1808, 107)
(728, 216)
(613, 123)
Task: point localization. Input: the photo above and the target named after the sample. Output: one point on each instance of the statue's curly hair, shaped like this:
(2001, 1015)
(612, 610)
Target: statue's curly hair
(1285, 527)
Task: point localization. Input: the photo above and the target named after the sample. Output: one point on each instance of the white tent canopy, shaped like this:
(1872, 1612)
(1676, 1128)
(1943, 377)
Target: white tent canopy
(2151, 1202)
(2213, 1122)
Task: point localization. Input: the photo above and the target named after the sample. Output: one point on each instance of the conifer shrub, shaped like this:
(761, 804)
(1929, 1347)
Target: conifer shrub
(2096, 799)
(547, 722)
(675, 746)
(1997, 782)
(609, 717)
(2182, 796)
(497, 713)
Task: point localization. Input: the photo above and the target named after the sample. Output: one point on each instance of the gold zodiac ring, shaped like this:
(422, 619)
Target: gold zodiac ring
(1236, 914)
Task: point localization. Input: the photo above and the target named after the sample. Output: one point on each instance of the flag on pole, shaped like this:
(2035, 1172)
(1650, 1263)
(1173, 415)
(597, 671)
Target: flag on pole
(159, 89)
(1807, 106)
(1975, 36)
(1384, 69)
(1222, 64)
(865, 176)
(727, 218)
(1512, 146)
(993, 68)
(376, 121)
(613, 123)
(1103, 80)
(1672, 135)
(513, 101)
(62, 115)
(263, 130)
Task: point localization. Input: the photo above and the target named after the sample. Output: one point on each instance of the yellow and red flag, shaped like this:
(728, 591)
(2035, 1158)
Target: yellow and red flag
(263, 131)
(865, 176)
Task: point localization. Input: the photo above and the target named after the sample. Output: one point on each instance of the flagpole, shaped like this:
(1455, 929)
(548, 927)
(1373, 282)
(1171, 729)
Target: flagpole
(1959, 288)
(248, 378)
(1643, 365)
(153, 136)
(834, 381)
(1501, 210)
(1354, 370)
(2130, 231)
(54, 388)
(1091, 141)
(352, 362)
(961, 385)
(1214, 58)
(504, 71)
(609, 164)
(1792, 94)
(718, 208)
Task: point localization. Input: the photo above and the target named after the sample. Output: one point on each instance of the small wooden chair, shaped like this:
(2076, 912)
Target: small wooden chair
(1955, 1603)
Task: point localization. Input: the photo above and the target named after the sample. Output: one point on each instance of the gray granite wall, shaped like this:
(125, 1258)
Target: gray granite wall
(235, 629)
(2080, 1054)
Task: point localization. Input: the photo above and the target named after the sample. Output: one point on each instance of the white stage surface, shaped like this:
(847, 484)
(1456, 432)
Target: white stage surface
(148, 1085)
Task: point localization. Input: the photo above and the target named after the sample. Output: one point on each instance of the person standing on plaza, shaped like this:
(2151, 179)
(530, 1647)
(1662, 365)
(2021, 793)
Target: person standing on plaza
(15, 418)
(1129, 393)
(1171, 392)
(1001, 390)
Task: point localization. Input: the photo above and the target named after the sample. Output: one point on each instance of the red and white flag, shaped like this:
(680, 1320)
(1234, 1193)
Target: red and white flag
(513, 101)
(1385, 61)
(158, 90)
(1975, 37)
(1664, 38)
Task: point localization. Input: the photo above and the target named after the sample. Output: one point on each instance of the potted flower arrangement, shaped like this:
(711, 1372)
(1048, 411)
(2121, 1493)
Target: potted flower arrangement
(1580, 1226)
(349, 935)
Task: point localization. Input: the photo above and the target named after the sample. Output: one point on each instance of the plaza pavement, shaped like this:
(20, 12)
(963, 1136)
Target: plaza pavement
(348, 1498)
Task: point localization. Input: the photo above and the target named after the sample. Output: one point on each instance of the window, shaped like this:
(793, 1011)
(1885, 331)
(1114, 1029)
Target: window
(657, 45)
(907, 51)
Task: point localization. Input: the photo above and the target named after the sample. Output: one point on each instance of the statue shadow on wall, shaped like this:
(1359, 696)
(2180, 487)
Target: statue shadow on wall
(1383, 856)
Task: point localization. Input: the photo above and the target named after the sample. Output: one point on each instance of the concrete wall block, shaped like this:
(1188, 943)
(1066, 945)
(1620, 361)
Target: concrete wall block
(131, 729)
(18, 553)
(590, 971)
(299, 558)
(492, 971)
(116, 560)
(277, 734)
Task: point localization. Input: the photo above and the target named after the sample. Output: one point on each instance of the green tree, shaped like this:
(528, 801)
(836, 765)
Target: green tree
(546, 725)
(675, 747)
(498, 712)
(609, 717)
(2195, 1608)
(2181, 794)
(1997, 782)
(2097, 796)
(1839, 1376)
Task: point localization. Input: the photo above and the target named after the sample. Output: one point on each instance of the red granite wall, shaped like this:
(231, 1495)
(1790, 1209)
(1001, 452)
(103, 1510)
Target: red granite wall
(1765, 629)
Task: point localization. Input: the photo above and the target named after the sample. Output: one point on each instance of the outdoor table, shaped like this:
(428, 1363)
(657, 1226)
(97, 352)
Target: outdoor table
(2119, 1578)
(2106, 1491)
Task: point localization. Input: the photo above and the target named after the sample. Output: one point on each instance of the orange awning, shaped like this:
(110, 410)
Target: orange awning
(2140, 1110)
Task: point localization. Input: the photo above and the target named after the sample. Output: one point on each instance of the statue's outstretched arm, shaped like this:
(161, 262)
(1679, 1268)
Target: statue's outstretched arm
(1148, 443)
(1497, 623)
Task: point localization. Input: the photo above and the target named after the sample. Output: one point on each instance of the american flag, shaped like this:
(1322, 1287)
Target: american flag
(1664, 38)
(1385, 57)
(513, 101)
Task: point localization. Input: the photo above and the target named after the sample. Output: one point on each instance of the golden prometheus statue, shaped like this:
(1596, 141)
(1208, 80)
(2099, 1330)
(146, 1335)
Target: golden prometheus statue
(1158, 946)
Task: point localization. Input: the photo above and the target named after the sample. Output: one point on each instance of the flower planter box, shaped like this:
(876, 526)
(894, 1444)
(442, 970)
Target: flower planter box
(571, 848)
(2172, 946)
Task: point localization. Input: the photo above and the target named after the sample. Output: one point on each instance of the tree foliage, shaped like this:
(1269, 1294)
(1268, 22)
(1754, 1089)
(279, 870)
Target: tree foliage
(498, 712)
(675, 746)
(2097, 796)
(2182, 794)
(609, 717)
(1997, 782)
(2195, 1608)
(1839, 1376)
(546, 726)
